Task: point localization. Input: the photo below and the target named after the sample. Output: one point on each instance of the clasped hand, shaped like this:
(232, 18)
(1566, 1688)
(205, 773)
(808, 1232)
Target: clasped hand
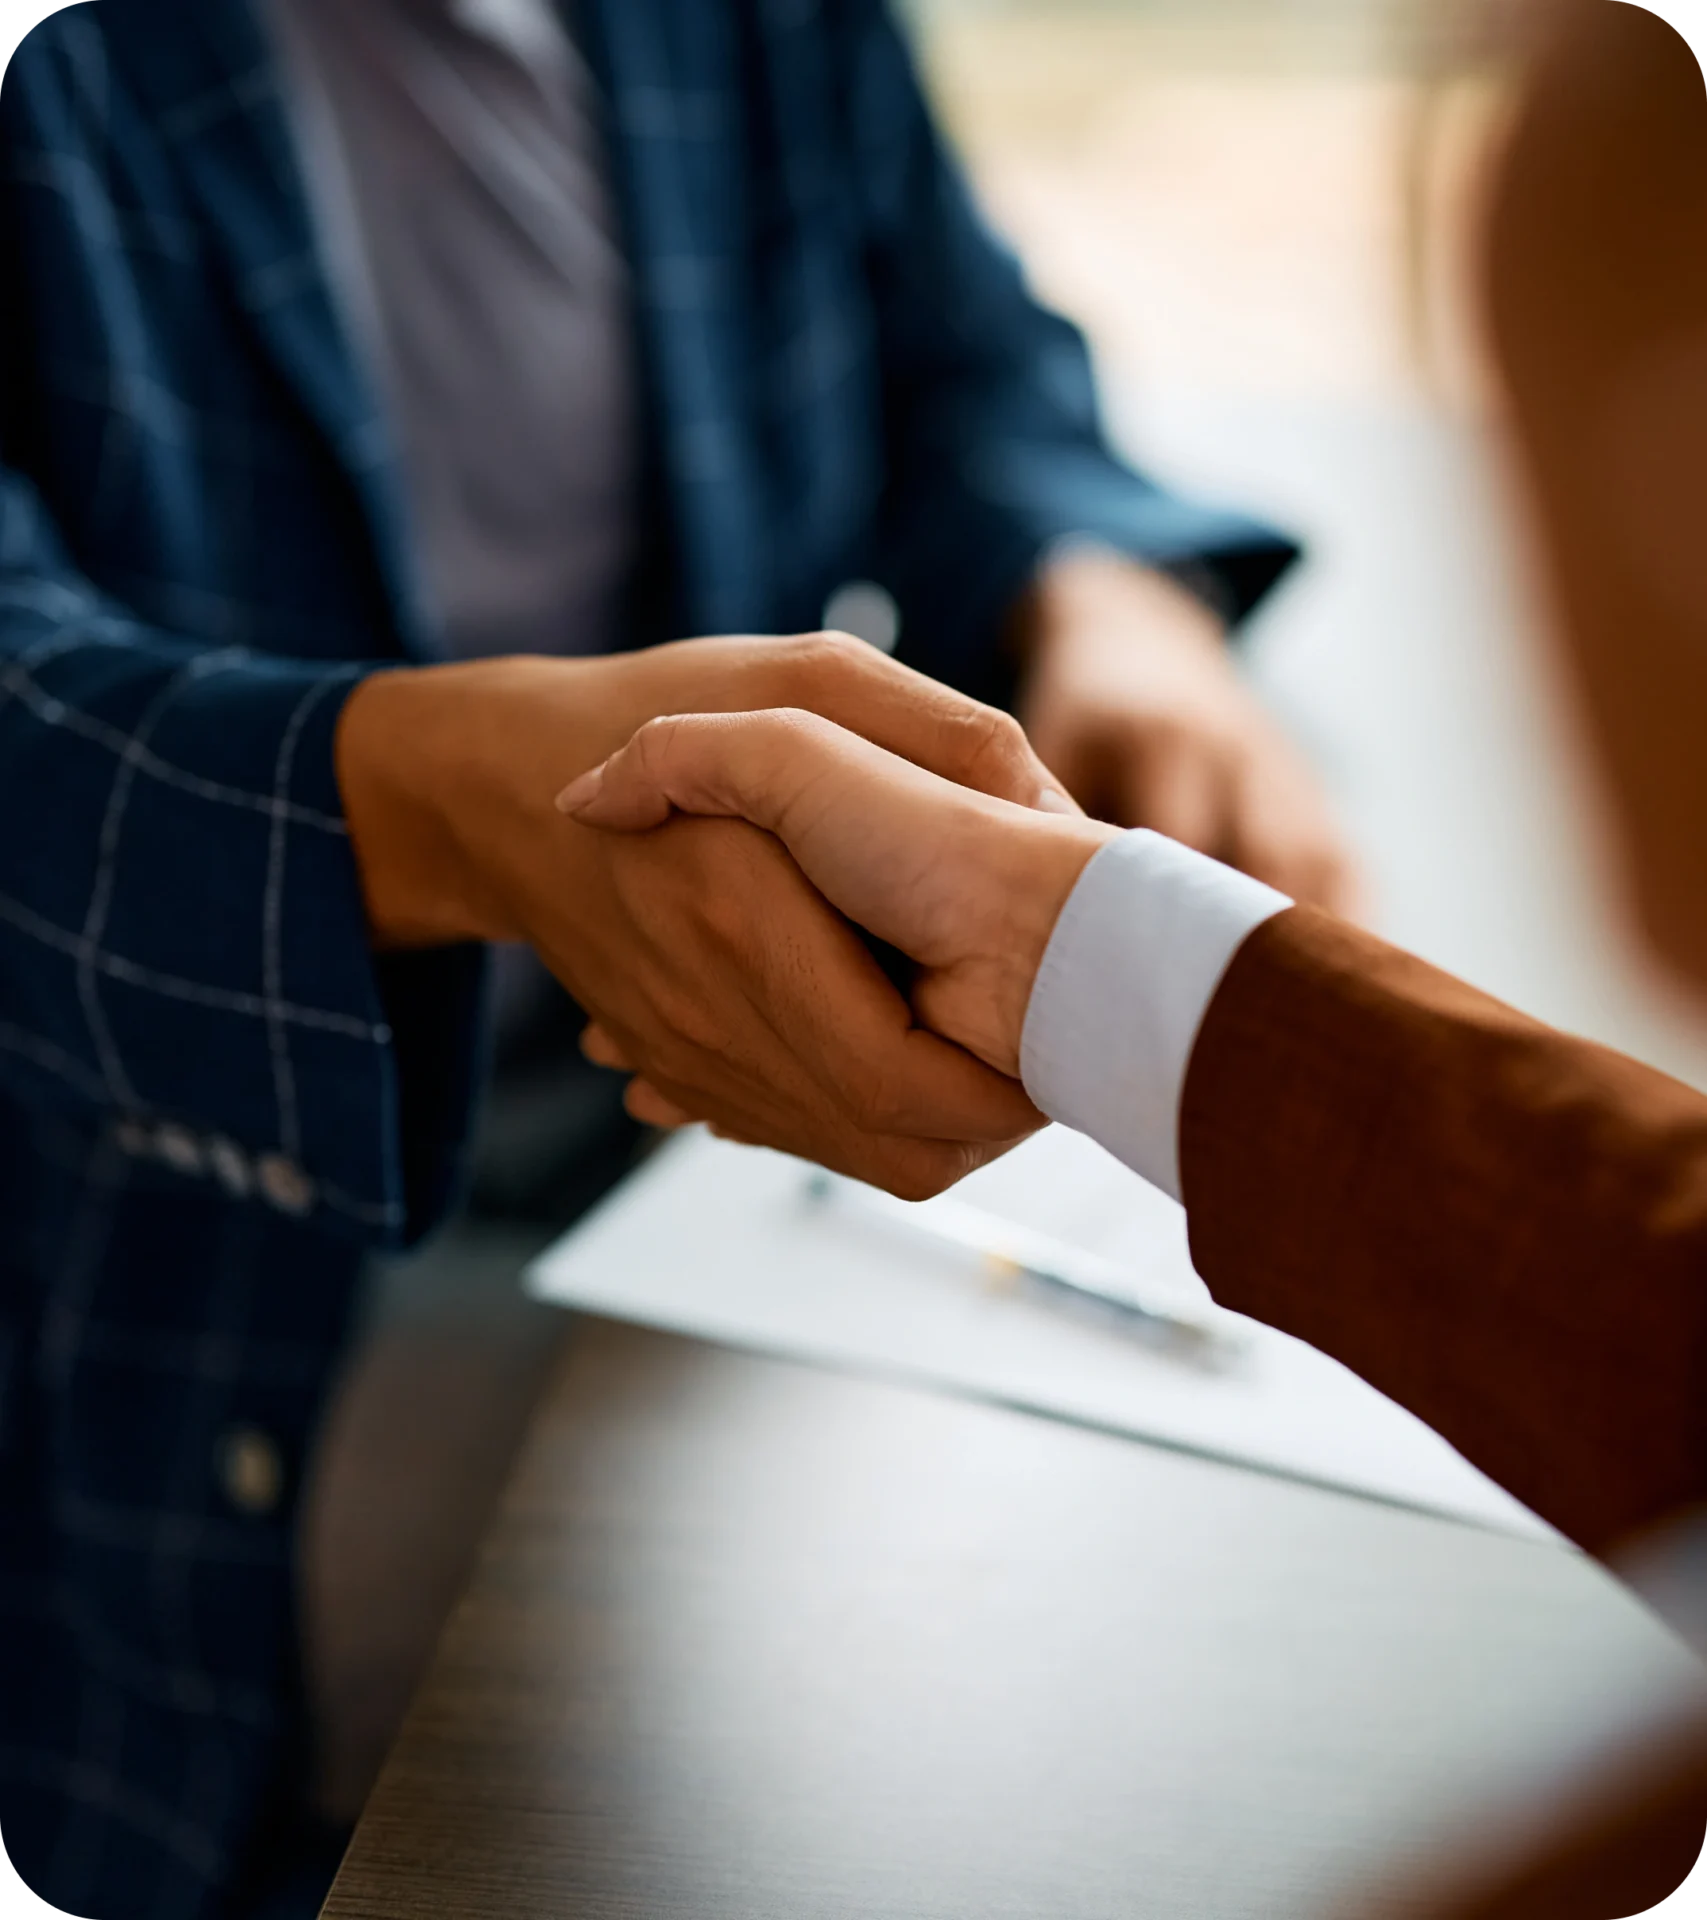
(821, 789)
(714, 967)
(967, 884)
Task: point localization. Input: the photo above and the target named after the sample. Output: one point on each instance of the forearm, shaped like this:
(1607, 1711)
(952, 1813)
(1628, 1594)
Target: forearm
(995, 448)
(1502, 1228)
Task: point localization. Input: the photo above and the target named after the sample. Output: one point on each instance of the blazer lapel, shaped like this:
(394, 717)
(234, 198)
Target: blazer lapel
(671, 74)
(209, 78)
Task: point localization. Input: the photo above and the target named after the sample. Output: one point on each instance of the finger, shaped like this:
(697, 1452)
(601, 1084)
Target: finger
(647, 1105)
(852, 684)
(912, 1169)
(835, 1134)
(922, 1087)
(843, 1026)
(748, 766)
(927, 867)
(840, 1059)
(911, 1166)
(784, 1028)
(920, 719)
(598, 1047)
(909, 1169)
(869, 830)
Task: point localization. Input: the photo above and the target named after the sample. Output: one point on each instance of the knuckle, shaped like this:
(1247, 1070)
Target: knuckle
(1005, 733)
(690, 1031)
(873, 1098)
(811, 657)
(783, 726)
(651, 745)
(999, 741)
(883, 1111)
(838, 645)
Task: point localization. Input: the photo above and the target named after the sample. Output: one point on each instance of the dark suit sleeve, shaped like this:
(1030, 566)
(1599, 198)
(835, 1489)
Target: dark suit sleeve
(182, 939)
(1502, 1228)
(996, 448)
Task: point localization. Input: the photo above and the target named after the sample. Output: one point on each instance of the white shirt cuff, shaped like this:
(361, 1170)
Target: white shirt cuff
(1140, 949)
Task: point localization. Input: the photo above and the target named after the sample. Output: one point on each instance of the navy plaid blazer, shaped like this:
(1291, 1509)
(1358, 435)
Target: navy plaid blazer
(214, 1103)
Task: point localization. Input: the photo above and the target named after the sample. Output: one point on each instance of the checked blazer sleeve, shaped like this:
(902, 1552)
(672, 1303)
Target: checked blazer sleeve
(996, 445)
(213, 1101)
(182, 939)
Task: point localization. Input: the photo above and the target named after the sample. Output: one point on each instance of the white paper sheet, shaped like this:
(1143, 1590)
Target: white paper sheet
(726, 1243)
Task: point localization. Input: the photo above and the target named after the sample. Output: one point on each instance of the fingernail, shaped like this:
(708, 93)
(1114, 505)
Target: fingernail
(582, 792)
(1053, 800)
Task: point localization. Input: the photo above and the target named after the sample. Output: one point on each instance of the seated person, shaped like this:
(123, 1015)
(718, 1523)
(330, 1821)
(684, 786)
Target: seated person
(381, 381)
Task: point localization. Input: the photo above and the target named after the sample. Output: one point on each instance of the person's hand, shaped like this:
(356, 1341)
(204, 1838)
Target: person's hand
(701, 952)
(1132, 699)
(968, 886)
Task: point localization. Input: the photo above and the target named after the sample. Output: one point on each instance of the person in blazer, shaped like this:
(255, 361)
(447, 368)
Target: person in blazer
(1500, 1226)
(274, 772)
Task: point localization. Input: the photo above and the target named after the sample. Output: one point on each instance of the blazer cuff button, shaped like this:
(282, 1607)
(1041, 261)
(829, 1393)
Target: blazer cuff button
(251, 1472)
(179, 1149)
(284, 1185)
(230, 1167)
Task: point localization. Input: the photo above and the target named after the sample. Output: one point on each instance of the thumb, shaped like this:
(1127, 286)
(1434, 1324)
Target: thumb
(749, 766)
(922, 863)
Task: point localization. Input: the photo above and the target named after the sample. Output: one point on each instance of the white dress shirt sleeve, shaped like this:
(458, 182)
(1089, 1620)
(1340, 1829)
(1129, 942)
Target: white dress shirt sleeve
(1139, 951)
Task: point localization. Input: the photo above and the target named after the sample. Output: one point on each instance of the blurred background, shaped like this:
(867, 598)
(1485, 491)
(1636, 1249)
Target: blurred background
(1265, 214)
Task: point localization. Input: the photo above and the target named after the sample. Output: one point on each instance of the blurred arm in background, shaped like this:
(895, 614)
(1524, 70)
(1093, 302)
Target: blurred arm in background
(1005, 507)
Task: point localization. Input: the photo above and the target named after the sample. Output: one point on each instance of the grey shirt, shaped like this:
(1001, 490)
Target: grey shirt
(454, 161)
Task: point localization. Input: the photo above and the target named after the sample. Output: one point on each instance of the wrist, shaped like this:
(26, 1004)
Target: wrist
(981, 1003)
(427, 762)
(1045, 879)
(1083, 587)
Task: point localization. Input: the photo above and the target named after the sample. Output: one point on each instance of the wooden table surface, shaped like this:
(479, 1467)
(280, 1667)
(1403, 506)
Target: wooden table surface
(751, 1639)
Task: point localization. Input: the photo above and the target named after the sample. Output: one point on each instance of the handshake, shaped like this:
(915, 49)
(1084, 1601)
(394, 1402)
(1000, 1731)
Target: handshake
(703, 889)
(962, 861)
